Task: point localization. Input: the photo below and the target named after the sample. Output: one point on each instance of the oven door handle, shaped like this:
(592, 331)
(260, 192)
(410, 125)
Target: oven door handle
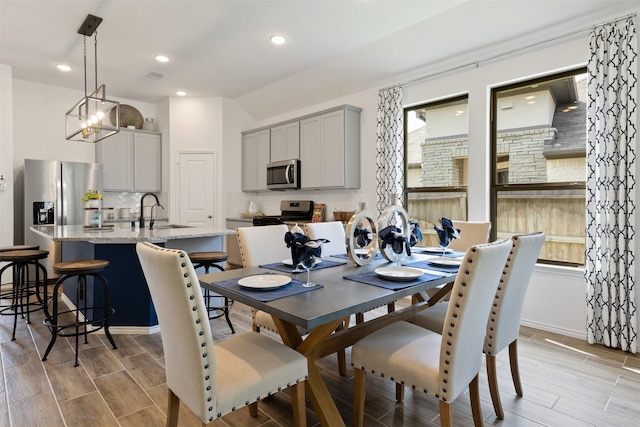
(287, 173)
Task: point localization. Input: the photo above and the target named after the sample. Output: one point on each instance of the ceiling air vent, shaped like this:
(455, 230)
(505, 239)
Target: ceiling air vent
(155, 76)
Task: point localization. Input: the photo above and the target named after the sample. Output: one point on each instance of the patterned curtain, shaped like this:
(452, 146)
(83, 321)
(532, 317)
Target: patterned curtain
(389, 147)
(611, 186)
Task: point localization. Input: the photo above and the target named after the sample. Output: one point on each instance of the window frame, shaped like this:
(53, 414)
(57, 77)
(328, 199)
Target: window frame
(496, 187)
(405, 166)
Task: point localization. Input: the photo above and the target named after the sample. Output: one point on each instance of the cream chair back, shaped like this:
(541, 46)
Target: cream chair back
(189, 357)
(471, 233)
(332, 231)
(504, 321)
(464, 329)
(262, 245)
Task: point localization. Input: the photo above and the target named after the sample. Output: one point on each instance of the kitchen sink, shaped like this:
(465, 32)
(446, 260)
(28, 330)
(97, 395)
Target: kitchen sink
(169, 226)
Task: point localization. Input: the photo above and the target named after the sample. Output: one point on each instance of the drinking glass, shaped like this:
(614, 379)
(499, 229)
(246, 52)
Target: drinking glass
(444, 244)
(307, 263)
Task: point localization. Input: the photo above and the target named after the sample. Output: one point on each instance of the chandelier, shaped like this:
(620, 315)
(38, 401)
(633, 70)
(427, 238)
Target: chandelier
(88, 121)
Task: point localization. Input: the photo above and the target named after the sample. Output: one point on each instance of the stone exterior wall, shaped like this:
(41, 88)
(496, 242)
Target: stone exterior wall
(527, 163)
(441, 165)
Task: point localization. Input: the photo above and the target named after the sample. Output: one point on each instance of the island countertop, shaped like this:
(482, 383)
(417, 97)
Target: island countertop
(62, 233)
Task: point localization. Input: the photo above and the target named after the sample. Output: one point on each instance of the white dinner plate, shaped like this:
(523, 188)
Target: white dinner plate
(400, 274)
(436, 250)
(445, 261)
(266, 281)
(289, 262)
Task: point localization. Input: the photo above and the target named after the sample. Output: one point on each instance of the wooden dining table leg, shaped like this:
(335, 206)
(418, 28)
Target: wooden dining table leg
(321, 399)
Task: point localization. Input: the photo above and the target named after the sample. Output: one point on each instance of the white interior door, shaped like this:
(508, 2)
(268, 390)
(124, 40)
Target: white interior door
(196, 189)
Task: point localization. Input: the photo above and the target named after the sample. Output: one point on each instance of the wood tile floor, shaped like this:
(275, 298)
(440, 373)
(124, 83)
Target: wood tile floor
(566, 383)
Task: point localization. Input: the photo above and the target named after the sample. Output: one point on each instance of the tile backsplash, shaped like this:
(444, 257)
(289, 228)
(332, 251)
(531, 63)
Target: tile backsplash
(117, 200)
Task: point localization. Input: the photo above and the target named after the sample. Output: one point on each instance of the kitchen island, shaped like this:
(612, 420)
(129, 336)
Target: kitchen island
(128, 290)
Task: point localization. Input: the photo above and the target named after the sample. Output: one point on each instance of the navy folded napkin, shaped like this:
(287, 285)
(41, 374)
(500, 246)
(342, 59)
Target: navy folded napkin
(371, 278)
(446, 231)
(265, 295)
(392, 236)
(363, 236)
(302, 247)
(280, 266)
(416, 233)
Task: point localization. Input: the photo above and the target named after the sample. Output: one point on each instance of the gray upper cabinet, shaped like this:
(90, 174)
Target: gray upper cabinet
(330, 149)
(255, 156)
(285, 142)
(131, 161)
(327, 144)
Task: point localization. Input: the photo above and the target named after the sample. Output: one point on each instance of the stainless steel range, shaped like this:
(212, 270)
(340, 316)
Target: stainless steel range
(290, 211)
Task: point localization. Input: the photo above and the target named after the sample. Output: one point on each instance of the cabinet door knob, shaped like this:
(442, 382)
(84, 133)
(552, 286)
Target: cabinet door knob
(209, 216)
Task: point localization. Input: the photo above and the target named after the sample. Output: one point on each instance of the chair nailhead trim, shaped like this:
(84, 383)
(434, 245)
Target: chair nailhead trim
(209, 400)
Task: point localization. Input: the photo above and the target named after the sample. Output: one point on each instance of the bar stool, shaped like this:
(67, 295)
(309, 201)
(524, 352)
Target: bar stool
(207, 260)
(9, 295)
(80, 269)
(22, 289)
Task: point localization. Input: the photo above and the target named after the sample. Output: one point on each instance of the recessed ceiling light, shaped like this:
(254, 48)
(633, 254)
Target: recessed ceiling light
(530, 97)
(181, 93)
(162, 58)
(277, 39)
(63, 67)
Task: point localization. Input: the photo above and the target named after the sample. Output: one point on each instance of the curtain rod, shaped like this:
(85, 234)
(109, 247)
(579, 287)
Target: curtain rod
(509, 52)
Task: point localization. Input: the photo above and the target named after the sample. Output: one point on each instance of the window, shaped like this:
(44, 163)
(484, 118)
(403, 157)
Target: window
(538, 146)
(436, 163)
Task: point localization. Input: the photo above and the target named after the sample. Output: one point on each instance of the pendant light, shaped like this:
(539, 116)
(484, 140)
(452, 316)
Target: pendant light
(88, 120)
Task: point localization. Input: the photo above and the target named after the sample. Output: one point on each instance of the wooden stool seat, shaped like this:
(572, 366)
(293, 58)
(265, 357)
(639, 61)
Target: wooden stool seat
(19, 248)
(23, 255)
(97, 316)
(21, 263)
(208, 257)
(87, 266)
(207, 260)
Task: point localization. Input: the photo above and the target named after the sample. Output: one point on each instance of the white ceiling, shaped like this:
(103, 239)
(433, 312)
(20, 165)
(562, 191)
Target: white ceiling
(221, 48)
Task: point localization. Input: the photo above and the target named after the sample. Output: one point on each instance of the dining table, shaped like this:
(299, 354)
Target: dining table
(342, 289)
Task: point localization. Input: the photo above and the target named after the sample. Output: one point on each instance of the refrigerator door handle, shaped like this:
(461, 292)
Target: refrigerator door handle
(61, 218)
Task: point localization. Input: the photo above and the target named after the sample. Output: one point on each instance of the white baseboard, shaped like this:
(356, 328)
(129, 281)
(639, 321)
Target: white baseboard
(115, 330)
(554, 329)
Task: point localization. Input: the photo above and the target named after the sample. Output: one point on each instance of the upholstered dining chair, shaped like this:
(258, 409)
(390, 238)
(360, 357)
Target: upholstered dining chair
(259, 246)
(471, 233)
(213, 379)
(504, 321)
(265, 245)
(440, 365)
(332, 231)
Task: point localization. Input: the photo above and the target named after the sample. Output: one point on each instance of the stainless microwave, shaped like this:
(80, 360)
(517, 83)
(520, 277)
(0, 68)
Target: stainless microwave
(283, 175)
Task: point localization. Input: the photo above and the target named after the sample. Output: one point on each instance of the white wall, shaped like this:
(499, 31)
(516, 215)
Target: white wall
(556, 297)
(6, 156)
(39, 133)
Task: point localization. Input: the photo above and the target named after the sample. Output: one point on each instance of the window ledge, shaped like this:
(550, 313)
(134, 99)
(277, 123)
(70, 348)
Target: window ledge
(558, 270)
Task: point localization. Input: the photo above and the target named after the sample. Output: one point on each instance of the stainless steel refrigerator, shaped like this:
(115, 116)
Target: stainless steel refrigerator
(53, 192)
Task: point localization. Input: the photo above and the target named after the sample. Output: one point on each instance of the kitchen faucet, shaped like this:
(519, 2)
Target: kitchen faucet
(141, 219)
(151, 221)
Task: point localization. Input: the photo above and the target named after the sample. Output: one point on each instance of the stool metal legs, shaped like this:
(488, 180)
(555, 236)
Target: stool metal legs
(208, 295)
(80, 326)
(22, 292)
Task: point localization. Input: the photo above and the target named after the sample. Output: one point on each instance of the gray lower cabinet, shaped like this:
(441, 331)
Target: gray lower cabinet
(255, 156)
(330, 149)
(132, 161)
